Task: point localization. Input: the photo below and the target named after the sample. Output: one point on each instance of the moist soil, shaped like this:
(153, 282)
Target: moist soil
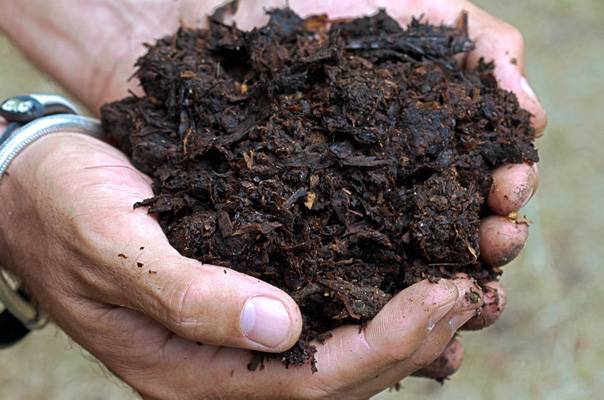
(341, 161)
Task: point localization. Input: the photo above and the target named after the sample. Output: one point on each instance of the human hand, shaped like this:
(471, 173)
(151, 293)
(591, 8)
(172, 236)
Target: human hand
(106, 274)
(500, 239)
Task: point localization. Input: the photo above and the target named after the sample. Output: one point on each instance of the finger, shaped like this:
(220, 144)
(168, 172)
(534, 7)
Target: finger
(394, 335)
(501, 239)
(216, 305)
(349, 357)
(494, 303)
(346, 359)
(494, 40)
(446, 364)
(503, 43)
(139, 269)
(467, 306)
(353, 357)
(513, 186)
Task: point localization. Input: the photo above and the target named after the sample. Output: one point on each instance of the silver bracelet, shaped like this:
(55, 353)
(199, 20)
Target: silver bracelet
(33, 110)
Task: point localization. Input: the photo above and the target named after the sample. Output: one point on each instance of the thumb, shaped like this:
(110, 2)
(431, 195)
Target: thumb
(200, 302)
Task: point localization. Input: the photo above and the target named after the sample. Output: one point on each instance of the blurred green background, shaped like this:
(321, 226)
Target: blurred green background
(549, 344)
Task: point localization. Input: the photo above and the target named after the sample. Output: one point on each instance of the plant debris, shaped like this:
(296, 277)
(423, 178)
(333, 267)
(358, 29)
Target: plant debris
(341, 161)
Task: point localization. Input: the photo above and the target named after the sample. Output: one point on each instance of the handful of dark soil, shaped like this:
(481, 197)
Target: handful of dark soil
(341, 161)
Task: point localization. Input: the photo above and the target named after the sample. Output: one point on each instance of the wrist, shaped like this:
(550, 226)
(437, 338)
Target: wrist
(20, 192)
(3, 126)
(3, 247)
(12, 200)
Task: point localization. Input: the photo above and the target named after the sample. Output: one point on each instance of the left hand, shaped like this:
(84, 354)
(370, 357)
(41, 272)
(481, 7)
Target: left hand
(107, 275)
(95, 65)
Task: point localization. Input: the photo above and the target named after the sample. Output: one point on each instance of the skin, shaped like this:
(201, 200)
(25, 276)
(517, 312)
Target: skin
(504, 237)
(513, 186)
(67, 215)
(446, 364)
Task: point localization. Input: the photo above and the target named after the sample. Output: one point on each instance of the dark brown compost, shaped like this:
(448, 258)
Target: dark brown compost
(341, 161)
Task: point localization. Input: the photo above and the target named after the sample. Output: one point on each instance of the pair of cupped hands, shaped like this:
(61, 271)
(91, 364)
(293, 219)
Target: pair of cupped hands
(67, 214)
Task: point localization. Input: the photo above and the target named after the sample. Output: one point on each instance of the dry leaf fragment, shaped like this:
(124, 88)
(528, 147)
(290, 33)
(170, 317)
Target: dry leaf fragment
(310, 200)
(249, 159)
(473, 252)
(243, 88)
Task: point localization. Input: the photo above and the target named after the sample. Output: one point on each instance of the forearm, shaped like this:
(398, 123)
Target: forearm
(21, 199)
(92, 64)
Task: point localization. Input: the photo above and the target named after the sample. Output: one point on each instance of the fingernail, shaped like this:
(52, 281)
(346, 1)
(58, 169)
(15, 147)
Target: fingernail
(494, 301)
(265, 321)
(508, 256)
(469, 302)
(528, 89)
(527, 191)
(459, 319)
(440, 313)
(445, 299)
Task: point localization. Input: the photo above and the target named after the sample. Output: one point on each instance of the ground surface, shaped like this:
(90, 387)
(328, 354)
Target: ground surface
(549, 342)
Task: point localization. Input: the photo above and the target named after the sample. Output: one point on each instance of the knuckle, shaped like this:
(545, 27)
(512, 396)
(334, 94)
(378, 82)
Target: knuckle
(182, 306)
(319, 386)
(392, 352)
(178, 304)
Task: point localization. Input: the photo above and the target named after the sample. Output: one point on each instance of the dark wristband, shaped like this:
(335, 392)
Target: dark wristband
(11, 329)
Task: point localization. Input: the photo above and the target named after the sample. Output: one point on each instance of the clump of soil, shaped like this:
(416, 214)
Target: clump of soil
(341, 161)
